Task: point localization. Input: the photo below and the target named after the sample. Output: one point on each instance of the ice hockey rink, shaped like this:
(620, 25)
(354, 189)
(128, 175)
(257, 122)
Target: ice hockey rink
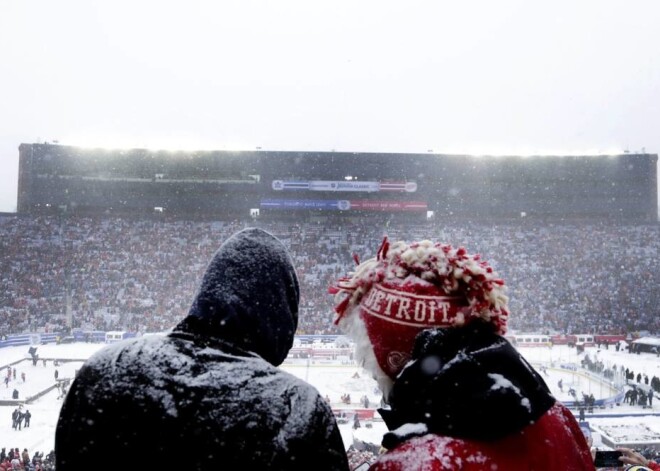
(613, 423)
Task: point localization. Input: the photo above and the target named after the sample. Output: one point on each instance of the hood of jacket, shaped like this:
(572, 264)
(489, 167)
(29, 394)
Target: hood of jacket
(248, 297)
(466, 382)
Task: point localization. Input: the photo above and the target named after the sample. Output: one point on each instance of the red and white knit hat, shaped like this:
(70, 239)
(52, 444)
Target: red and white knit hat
(405, 289)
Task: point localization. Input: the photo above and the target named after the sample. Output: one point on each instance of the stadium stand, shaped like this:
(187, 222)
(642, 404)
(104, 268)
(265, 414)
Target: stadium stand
(116, 240)
(139, 274)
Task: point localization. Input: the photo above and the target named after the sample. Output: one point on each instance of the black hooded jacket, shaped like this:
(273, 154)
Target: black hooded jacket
(465, 382)
(208, 395)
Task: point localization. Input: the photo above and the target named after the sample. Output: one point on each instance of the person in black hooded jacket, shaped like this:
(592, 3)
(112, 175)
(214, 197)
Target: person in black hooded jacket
(211, 386)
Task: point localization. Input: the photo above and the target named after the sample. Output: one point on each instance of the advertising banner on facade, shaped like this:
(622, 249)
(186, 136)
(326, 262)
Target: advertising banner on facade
(344, 205)
(354, 186)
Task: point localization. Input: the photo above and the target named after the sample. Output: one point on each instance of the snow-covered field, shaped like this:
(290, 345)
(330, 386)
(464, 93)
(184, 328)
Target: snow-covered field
(613, 424)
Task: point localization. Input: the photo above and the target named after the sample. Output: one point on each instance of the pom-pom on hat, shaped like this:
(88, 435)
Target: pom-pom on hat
(407, 288)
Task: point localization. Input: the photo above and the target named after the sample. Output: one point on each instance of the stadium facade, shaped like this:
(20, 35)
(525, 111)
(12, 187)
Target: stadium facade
(277, 184)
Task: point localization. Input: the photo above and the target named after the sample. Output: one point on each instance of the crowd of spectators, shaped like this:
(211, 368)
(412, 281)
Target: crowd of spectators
(139, 275)
(15, 460)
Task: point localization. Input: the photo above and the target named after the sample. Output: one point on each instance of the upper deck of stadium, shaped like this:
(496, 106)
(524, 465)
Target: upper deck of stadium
(236, 183)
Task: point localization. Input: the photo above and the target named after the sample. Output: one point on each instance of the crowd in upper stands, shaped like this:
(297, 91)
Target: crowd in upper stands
(139, 275)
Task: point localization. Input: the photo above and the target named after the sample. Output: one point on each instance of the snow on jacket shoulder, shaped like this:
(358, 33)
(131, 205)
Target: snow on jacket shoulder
(552, 443)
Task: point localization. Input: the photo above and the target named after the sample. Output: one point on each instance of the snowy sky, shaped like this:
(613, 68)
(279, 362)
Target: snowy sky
(506, 77)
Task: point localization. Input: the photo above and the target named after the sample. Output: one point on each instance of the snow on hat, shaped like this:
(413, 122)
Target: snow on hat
(405, 289)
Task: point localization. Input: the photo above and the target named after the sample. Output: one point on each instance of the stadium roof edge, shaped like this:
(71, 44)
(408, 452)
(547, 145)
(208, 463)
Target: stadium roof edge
(332, 152)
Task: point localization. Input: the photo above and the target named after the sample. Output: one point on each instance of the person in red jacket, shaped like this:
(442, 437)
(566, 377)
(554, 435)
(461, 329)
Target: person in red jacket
(428, 321)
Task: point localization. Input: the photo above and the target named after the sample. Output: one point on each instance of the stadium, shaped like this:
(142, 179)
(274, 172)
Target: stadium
(108, 244)
(575, 237)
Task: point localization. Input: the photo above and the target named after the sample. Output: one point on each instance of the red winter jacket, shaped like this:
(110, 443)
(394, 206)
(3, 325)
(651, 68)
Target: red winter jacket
(555, 442)
(469, 401)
